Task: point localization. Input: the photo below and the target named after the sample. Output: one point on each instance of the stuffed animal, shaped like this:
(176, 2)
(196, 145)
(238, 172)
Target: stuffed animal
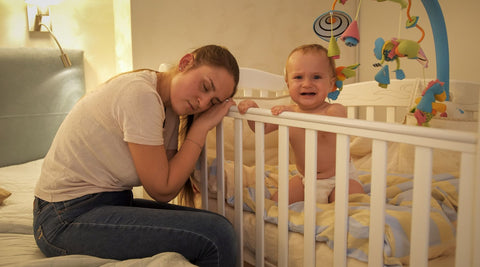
(427, 107)
(342, 73)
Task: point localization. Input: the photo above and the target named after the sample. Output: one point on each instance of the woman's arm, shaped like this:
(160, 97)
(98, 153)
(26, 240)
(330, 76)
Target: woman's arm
(163, 178)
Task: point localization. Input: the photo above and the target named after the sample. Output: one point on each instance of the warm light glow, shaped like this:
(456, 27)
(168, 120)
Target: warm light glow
(43, 3)
(123, 38)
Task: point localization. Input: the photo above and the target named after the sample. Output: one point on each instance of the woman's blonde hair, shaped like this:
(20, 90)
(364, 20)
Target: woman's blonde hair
(215, 56)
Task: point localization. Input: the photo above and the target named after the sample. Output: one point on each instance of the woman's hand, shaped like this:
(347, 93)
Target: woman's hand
(212, 116)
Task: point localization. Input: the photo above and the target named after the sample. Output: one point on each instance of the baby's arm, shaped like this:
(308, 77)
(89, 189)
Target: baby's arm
(244, 105)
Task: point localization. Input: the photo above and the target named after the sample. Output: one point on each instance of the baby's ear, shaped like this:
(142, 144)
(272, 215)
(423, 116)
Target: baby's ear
(333, 82)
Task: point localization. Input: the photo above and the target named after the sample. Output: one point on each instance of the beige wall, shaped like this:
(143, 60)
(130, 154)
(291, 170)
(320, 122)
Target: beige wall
(259, 33)
(262, 33)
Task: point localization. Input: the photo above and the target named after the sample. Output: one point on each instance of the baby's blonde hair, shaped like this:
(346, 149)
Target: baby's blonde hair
(312, 48)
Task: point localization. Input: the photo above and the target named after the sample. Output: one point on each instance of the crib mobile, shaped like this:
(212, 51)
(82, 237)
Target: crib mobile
(335, 24)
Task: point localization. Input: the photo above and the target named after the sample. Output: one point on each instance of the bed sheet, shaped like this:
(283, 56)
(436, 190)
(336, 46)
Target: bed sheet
(17, 244)
(16, 212)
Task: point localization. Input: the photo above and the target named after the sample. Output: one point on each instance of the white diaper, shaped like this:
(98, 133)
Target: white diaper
(325, 186)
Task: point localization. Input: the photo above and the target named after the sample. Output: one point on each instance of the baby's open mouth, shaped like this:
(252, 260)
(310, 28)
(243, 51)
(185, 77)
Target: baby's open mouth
(310, 93)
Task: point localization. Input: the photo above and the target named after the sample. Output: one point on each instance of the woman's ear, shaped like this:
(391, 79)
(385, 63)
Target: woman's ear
(185, 61)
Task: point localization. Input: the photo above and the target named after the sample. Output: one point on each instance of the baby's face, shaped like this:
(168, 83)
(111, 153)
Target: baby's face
(309, 78)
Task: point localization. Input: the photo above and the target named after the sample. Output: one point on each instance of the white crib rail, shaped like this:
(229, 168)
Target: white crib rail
(424, 139)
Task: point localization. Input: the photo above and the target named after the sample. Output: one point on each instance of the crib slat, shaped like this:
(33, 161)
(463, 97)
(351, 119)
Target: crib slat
(377, 203)
(283, 150)
(370, 113)
(220, 173)
(238, 170)
(259, 193)
(422, 183)
(390, 114)
(476, 212)
(352, 112)
(204, 177)
(465, 227)
(341, 200)
(310, 199)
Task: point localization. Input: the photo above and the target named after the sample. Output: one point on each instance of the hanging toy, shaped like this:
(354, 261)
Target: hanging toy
(427, 107)
(382, 77)
(392, 50)
(351, 36)
(342, 73)
(331, 24)
(333, 49)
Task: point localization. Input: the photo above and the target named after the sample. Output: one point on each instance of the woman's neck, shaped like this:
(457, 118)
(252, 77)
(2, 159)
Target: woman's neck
(163, 86)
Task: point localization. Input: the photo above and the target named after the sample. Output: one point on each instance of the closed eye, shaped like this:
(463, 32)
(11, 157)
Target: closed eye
(215, 101)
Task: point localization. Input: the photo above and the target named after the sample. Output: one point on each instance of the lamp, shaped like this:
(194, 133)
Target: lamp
(38, 15)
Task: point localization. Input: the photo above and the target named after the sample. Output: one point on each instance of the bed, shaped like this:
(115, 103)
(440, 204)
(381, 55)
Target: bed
(421, 206)
(36, 93)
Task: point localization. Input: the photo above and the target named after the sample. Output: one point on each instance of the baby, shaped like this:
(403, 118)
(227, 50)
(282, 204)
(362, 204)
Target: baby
(310, 76)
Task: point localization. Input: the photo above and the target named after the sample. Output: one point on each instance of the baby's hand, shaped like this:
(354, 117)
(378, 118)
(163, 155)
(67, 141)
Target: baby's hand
(279, 109)
(245, 105)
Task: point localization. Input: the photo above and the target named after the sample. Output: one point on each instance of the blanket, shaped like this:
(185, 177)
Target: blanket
(398, 212)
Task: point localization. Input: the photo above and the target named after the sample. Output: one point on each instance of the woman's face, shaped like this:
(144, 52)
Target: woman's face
(195, 90)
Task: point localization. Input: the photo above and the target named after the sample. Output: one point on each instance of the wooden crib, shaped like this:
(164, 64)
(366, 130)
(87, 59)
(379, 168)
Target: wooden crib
(378, 120)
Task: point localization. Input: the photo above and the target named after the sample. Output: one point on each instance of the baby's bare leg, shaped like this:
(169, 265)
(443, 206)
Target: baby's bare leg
(353, 188)
(296, 190)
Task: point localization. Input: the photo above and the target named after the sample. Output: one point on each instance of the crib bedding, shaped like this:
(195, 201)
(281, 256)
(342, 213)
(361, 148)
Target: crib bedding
(398, 210)
(17, 244)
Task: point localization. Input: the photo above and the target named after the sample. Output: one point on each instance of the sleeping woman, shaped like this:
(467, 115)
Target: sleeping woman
(126, 134)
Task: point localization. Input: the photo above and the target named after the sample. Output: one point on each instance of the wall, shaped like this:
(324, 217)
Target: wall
(262, 33)
(259, 33)
(87, 25)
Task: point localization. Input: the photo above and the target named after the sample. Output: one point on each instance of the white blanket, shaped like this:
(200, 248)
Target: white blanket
(17, 244)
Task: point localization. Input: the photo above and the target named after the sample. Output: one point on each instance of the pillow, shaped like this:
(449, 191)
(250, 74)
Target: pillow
(271, 139)
(4, 194)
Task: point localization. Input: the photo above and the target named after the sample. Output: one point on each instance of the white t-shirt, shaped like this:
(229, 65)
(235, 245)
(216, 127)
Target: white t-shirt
(90, 152)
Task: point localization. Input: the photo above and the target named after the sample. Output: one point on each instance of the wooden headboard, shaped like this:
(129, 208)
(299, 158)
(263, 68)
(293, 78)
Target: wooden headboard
(36, 93)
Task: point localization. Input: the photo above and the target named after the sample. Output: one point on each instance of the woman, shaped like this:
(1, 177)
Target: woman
(125, 134)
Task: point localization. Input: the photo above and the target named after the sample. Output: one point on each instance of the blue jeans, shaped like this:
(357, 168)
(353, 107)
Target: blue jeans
(114, 225)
